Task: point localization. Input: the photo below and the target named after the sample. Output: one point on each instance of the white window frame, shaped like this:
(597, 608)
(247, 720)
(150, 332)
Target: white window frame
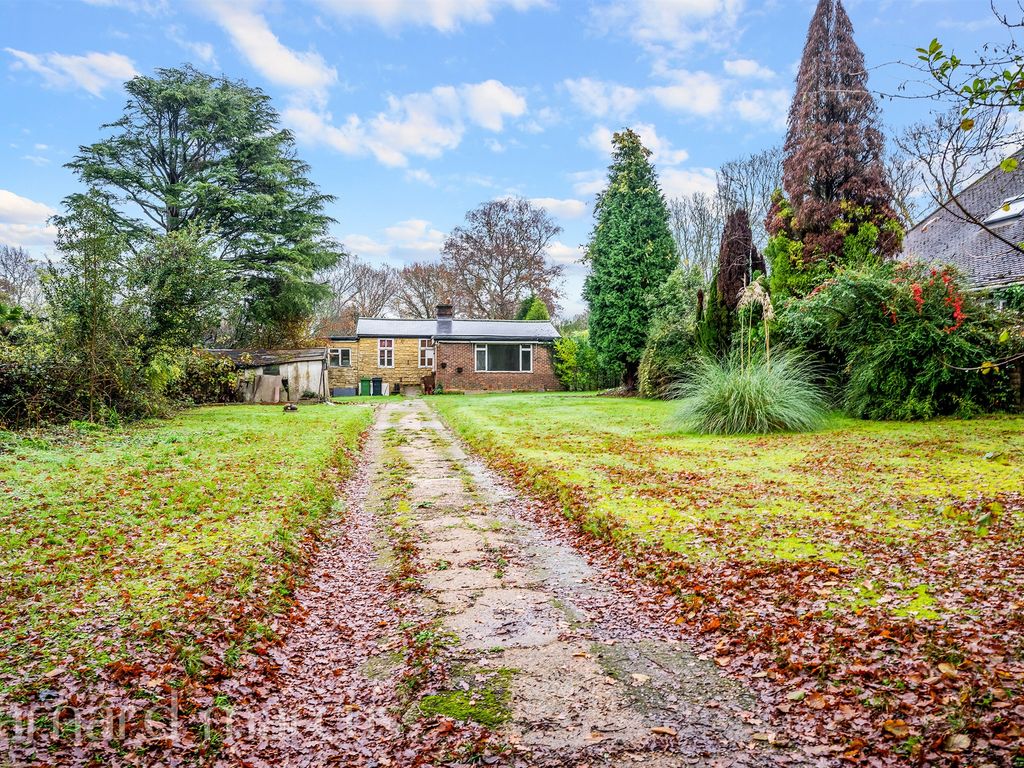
(385, 353)
(426, 346)
(486, 368)
(335, 353)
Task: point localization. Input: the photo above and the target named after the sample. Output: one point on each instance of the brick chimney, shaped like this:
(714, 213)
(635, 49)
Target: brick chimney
(444, 319)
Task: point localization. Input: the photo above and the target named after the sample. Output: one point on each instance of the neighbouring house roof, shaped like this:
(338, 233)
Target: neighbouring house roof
(257, 358)
(945, 237)
(458, 330)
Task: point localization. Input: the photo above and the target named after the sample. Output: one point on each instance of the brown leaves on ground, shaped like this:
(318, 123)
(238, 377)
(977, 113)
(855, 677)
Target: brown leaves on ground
(864, 685)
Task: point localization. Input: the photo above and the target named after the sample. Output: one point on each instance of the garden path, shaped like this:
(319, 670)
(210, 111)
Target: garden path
(565, 666)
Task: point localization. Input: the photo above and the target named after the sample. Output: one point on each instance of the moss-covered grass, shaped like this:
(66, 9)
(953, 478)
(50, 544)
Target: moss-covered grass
(486, 701)
(114, 537)
(848, 495)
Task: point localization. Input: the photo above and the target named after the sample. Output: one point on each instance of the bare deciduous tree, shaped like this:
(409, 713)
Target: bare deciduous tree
(948, 156)
(19, 278)
(748, 183)
(696, 221)
(424, 285)
(498, 257)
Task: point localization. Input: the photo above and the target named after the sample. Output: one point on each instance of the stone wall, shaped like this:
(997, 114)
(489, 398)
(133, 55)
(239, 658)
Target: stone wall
(451, 356)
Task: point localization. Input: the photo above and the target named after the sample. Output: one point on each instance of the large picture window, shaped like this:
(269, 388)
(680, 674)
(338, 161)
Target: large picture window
(426, 353)
(386, 353)
(504, 357)
(340, 358)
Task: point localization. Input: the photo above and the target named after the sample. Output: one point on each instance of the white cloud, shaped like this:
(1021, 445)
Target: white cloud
(421, 175)
(424, 124)
(662, 152)
(696, 92)
(764, 106)
(748, 68)
(676, 182)
(494, 145)
(488, 103)
(93, 72)
(23, 221)
(563, 208)
(600, 98)
(36, 159)
(411, 238)
(588, 182)
(669, 27)
(443, 15)
(561, 253)
(202, 51)
(250, 33)
(416, 235)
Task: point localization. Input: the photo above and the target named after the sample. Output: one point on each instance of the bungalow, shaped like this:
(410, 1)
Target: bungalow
(946, 236)
(455, 354)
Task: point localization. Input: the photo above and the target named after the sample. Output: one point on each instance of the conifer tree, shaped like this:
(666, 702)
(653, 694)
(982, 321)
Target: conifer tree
(737, 258)
(833, 174)
(631, 252)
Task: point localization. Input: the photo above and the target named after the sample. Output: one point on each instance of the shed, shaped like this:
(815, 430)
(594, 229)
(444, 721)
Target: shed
(280, 375)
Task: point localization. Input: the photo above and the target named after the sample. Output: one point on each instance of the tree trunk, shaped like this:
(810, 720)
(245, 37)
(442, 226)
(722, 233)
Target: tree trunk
(629, 376)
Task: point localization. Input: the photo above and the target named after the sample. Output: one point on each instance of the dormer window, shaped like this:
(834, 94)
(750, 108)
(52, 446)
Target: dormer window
(1012, 208)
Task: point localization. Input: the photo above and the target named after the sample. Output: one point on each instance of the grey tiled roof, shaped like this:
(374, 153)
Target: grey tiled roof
(461, 330)
(945, 237)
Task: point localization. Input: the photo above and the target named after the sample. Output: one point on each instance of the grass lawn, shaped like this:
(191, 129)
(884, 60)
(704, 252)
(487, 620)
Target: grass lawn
(177, 534)
(792, 550)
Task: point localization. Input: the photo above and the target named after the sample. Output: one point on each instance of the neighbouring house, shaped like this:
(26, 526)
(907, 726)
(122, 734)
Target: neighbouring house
(280, 375)
(467, 355)
(944, 236)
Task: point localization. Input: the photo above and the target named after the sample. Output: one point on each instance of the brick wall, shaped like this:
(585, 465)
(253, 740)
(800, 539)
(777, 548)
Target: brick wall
(454, 355)
(406, 369)
(347, 376)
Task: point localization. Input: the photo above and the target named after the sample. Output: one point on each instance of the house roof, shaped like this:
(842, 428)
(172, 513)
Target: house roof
(458, 330)
(257, 358)
(945, 237)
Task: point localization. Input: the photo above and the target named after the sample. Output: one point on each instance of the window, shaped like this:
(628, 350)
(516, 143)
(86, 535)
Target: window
(1011, 208)
(426, 353)
(271, 370)
(386, 353)
(504, 357)
(340, 358)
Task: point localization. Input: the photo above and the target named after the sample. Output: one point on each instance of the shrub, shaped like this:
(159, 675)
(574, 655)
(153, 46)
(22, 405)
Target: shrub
(205, 378)
(897, 339)
(731, 397)
(672, 341)
(579, 367)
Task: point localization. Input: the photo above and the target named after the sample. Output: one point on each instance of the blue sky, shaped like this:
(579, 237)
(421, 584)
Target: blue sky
(412, 112)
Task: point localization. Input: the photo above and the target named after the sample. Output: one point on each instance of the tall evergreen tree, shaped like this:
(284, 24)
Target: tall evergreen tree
(631, 253)
(194, 150)
(833, 172)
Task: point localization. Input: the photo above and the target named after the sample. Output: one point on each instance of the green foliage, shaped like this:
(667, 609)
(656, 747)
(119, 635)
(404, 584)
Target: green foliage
(226, 167)
(897, 338)
(183, 288)
(857, 238)
(578, 365)
(731, 397)
(716, 324)
(1012, 298)
(205, 378)
(532, 308)
(631, 253)
(672, 341)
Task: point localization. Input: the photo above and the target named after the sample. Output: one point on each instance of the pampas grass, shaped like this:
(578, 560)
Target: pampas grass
(734, 396)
